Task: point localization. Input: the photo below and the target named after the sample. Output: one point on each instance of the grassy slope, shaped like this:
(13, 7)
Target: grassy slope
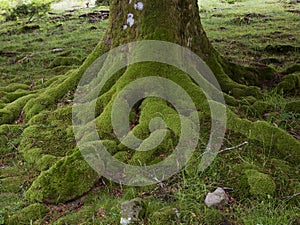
(236, 36)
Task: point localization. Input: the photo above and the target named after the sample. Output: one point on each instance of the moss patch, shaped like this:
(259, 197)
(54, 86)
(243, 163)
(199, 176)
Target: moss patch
(84, 215)
(289, 83)
(258, 184)
(67, 179)
(164, 216)
(11, 184)
(284, 144)
(45, 162)
(28, 215)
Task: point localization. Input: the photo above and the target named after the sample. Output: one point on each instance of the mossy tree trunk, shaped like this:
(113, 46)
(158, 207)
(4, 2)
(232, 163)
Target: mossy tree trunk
(177, 21)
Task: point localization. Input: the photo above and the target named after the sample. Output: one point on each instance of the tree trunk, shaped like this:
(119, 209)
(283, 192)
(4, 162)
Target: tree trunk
(175, 21)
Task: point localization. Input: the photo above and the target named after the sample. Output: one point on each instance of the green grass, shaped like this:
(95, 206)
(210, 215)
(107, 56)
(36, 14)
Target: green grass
(243, 30)
(75, 37)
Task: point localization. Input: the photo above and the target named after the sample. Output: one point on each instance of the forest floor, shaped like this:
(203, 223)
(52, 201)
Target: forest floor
(247, 32)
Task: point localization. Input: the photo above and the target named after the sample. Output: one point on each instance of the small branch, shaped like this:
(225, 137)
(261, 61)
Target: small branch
(228, 188)
(235, 147)
(24, 58)
(292, 196)
(55, 50)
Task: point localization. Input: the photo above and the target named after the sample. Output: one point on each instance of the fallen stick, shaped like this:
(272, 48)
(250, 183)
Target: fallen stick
(55, 50)
(234, 147)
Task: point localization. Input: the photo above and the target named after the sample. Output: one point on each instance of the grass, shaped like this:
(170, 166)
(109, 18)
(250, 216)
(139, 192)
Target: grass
(243, 30)
(240, 31)
(74, 39)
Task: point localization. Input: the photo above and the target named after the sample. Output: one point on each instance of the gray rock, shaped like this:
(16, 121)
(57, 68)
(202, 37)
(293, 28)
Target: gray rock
(132, 211)
(216, 199)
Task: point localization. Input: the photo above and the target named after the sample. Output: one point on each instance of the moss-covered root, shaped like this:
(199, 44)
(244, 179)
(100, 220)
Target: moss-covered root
(290, 83)
(253, 183)
(228, 85)
(49, 98)
(285, 145)
(11, 111)
(67, 179)
(27, 215)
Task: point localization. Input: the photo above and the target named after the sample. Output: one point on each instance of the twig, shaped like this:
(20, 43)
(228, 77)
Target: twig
(24, 58)
(292, 196)
(228, 188)
(234, 147)
(55, 50)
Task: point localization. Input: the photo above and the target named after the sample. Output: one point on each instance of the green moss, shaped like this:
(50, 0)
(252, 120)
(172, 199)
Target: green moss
(213, 216)
(13, 87)
(123, 156)
(249, 181)
(146, 153)
(38, 119)
(64, 114)
(154, 107)
(284, 144)
(10, 172)
(37, 105)
(4, 129)
(227, 84)
(103, 101)
(289, 83)
(293, 106)
(293, 187)
(3, 144)
(248, 75)
(5, 115)
(28, 215)
(260, 184)
(32, 155)
(163, 216)
(66, 180)
(50, 96)
(260, 107)
(2, 104)
(11, 184)
(54, 80)
(45, 162)
(12, 110)
(111, 146)
(280, 165)
(48, 138)
(9, 137)
(284, 176)
(12, 96)
(83, 216)
(60, 116)
(103, 123)
(65, 61)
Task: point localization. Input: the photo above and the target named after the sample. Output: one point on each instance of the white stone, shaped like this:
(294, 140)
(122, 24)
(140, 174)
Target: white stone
(217, 198)
(125, 221)
(139, 6)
